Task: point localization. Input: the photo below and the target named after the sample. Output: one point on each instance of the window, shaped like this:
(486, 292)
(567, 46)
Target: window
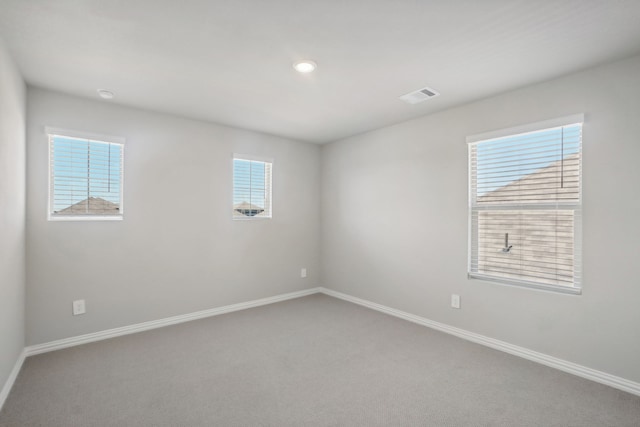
(85, 176)
(251, 188)
(525, 203)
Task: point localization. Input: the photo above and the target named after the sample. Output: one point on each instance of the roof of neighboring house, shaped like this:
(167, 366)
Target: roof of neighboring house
(92, 206)
(242, 208)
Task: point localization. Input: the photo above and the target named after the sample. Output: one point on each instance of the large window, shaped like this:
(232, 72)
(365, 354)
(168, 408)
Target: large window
(524, 205)
(85, 176)
(251, 187)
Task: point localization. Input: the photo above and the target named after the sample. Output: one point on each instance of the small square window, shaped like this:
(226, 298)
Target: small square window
(86, 176)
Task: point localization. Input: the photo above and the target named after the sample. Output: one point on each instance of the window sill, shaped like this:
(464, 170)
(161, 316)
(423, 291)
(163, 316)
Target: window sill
(524, 284)
(251, 218)
(85, 218)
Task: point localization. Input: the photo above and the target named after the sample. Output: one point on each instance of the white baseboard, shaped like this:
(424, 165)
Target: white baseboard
(153, 324)
(4, 393)
(544, 359)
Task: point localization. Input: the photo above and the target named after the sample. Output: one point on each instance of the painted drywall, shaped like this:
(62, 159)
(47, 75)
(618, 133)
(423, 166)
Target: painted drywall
(177, 250)
(394, 221)
(12, 213)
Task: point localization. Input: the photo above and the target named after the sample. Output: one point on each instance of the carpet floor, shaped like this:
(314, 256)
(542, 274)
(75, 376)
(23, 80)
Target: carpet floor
(312, 361)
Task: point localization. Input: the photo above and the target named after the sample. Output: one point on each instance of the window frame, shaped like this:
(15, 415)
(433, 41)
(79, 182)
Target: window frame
(52, 132)
(576, 207)
(269, 197)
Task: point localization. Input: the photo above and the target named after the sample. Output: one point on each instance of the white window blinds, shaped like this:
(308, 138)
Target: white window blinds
(525, 200)
(251, 188)
(86, 177)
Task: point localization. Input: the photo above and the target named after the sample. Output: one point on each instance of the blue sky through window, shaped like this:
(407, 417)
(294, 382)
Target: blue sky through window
(249, 182)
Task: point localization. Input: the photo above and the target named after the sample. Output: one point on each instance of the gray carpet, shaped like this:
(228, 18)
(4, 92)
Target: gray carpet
(313, 361)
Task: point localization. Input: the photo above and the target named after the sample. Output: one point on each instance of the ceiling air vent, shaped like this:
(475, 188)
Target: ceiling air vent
(419, 95)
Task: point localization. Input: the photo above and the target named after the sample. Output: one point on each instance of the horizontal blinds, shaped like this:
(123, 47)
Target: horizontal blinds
(542, 245)
(86, 177)
(538, 167)
(525, 193)
(251, 188)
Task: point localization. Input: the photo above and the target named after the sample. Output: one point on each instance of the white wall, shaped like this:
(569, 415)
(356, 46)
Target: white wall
(177, 250)
(394, 221)
(12, 211)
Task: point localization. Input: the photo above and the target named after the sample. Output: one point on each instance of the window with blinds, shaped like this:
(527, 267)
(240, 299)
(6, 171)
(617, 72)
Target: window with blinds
(86, 176)
(525, 203)
(251, 188)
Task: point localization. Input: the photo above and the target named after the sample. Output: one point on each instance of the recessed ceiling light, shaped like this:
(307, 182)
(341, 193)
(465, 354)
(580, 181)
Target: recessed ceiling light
(105, 94)
(305, 66)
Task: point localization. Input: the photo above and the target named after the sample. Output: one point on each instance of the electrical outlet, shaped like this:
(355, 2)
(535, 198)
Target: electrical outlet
(455, 301)
(79, 307)
(303, 273)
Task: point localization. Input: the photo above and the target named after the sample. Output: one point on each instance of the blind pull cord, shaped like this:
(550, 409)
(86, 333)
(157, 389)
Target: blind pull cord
(562, 158)
(88, 175)
(109, 172)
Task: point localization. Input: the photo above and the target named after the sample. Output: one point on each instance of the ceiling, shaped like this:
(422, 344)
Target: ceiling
(230, 61)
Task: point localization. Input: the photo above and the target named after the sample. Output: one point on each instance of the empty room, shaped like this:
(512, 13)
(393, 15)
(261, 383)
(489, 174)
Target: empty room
(319, 213)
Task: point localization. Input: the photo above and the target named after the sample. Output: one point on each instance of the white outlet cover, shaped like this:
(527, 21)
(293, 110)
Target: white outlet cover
(79, 307)
(455, 301)
(303, 273)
